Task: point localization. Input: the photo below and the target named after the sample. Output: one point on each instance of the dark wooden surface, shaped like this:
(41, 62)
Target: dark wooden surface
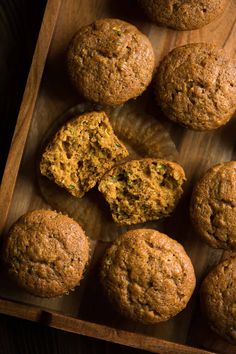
(23, 337)
(19, 26)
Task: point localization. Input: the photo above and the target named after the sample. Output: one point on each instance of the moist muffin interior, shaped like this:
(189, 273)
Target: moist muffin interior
(81, 152)
(142, 190)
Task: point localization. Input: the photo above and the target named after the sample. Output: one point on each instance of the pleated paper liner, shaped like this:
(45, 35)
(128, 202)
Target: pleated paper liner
(143, 135)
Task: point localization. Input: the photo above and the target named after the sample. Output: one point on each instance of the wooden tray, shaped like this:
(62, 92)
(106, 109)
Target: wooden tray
(86, 311)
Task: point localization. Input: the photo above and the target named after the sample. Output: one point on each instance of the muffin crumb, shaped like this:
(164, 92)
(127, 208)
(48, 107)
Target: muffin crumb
(81, 152)
(142, 190)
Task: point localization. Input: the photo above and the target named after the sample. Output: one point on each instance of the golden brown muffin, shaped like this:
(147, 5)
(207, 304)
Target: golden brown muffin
(81, 152)
(147, 276)
(218, 299)
(46, 253)
(195, 86)
(213, 206)
(183, 14)
(110, 61)
(142, 190)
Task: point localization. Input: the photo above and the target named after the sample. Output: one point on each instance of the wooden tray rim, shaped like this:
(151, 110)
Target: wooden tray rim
(94, 330)
(34, 313)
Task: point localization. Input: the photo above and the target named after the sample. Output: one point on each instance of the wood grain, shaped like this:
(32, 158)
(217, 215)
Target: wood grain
(95, 330)
(20, 21)
(86, 310)
(27, 109)
(35, 338)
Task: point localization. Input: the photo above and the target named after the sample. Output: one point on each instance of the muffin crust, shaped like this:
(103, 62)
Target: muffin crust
(147, 276)
(110, 61)
(183, 14)
(218, 299)
(213, 206)
(195, 86)
(46, 253)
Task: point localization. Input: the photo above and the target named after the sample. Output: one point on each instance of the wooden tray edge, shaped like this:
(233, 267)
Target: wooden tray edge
(27, 108)
(95, 330)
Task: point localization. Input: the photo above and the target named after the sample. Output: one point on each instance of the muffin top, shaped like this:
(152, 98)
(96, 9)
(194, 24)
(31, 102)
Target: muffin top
(46, 253)
(195, 86)
(218, 299)
(213, 206)
(110, 61)
(147, 276)
(183, 14)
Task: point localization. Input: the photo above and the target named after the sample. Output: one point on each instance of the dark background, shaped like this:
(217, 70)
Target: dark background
(19, 26)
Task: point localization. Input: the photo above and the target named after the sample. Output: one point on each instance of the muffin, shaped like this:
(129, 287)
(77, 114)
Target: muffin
(183, 14)
(218, 299)
(46, 253)
(195, 86)
(110, 61)
(142, 190)
(147, 276)
(213, 206)
(81, 152)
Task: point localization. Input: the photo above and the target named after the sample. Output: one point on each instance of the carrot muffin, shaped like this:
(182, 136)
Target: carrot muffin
(142, 190)
(81, 152)
(218, 299)
(110, 61)
(147, 276)
(46, 253)
(195, 86)
(183, 14)
(213, 206)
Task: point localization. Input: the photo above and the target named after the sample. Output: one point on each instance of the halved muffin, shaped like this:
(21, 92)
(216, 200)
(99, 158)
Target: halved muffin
(81, 152)
(142, 190)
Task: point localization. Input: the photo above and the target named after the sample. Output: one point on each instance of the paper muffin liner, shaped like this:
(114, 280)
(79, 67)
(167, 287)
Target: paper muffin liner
(143, 135)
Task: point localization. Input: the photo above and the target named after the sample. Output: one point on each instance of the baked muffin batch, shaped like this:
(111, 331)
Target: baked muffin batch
(147, 276)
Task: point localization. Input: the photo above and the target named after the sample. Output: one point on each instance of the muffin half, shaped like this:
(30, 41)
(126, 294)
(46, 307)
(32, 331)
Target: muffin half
(142, 190)
(81, 152)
